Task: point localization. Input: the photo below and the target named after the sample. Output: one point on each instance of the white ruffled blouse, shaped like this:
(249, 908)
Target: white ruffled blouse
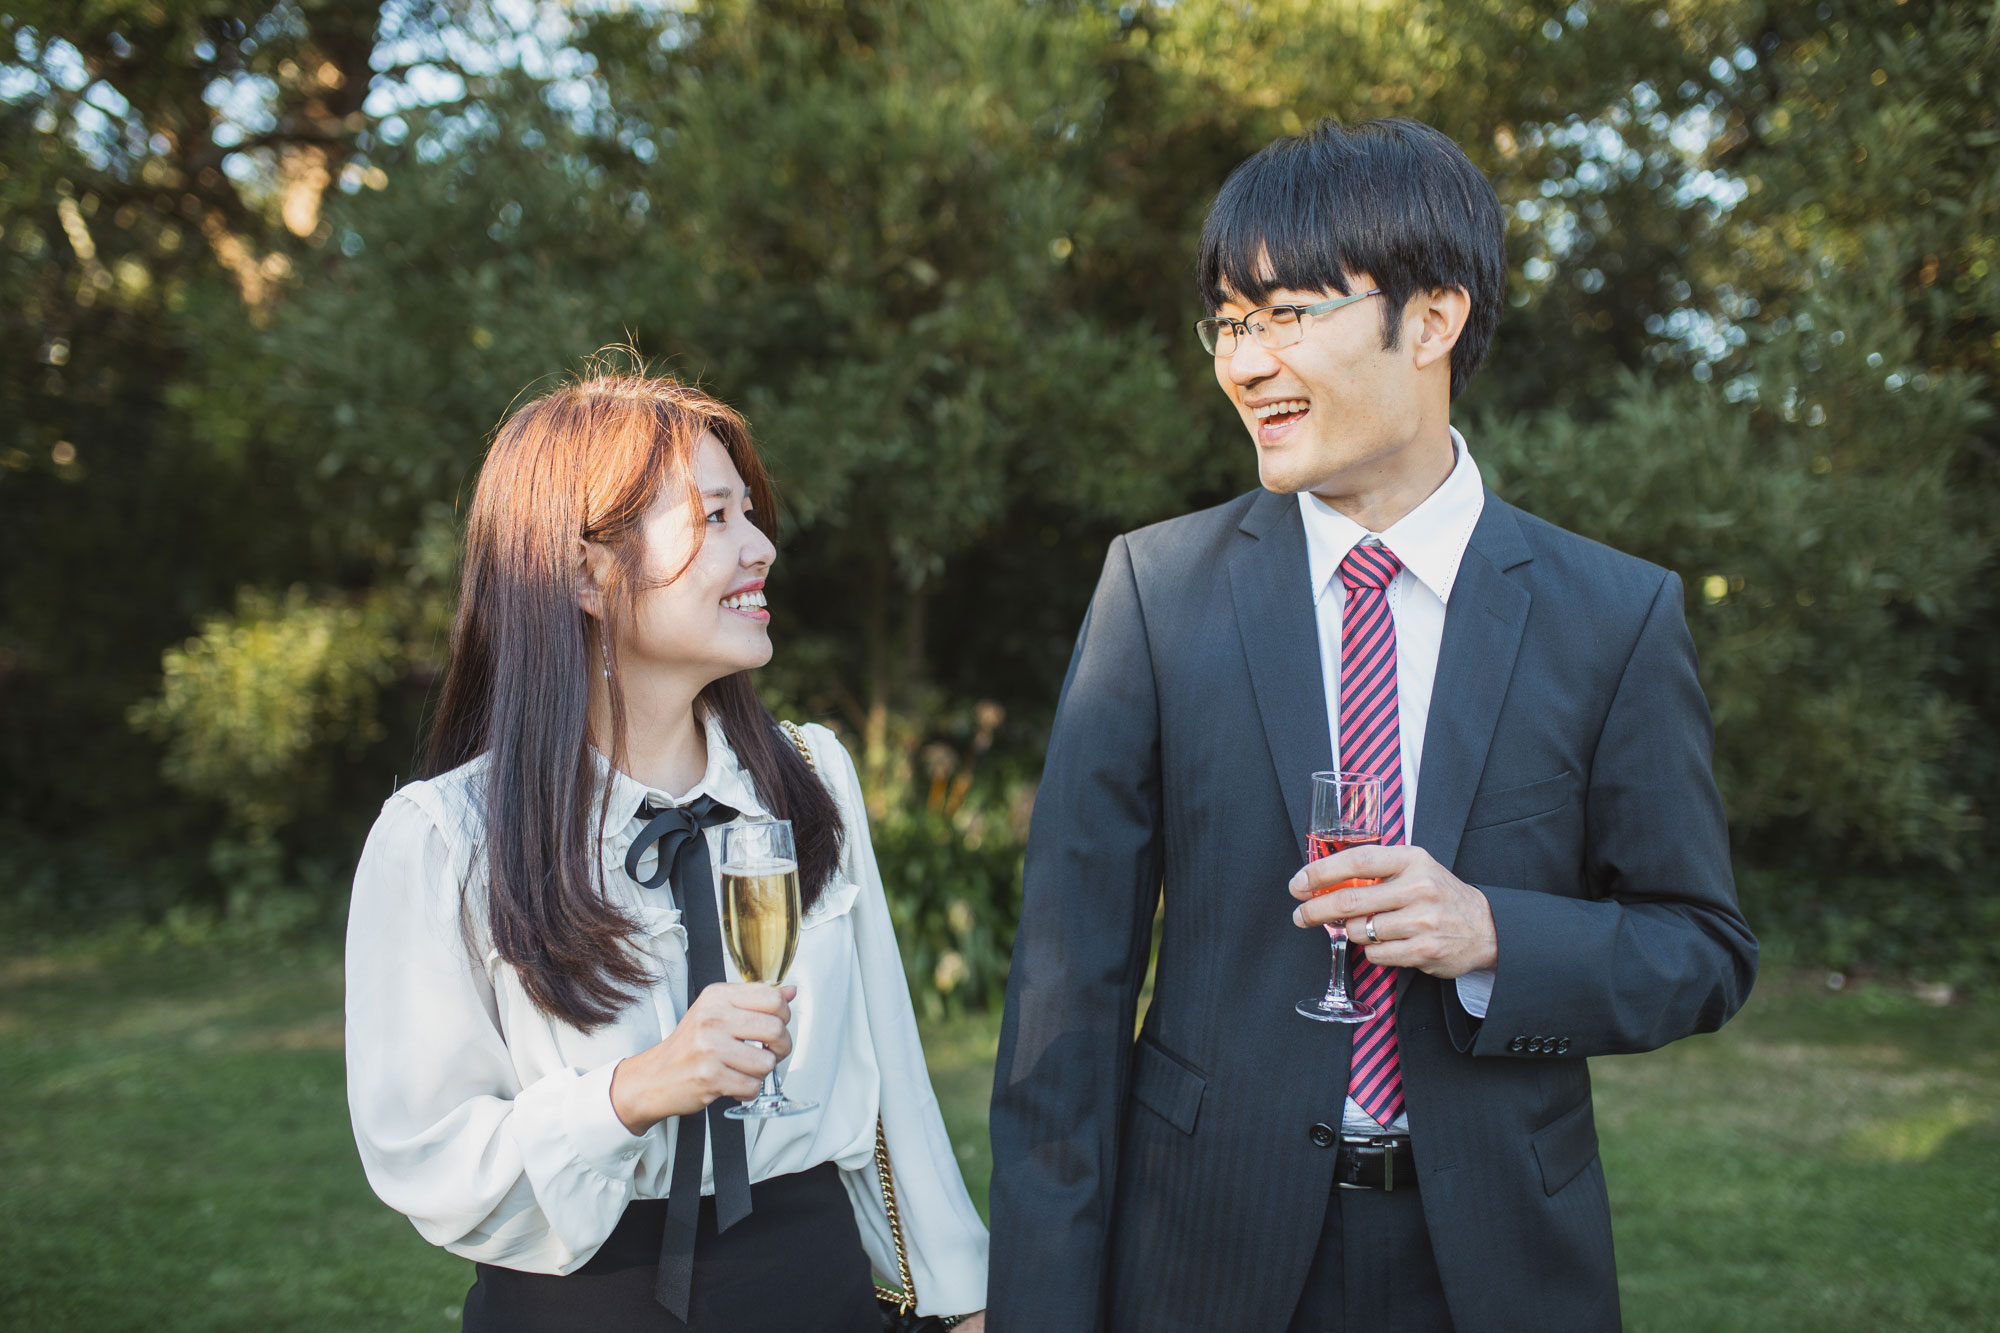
(489, 1124)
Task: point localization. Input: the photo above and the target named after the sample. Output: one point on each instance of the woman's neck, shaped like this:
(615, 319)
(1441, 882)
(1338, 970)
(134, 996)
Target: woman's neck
(666, 745)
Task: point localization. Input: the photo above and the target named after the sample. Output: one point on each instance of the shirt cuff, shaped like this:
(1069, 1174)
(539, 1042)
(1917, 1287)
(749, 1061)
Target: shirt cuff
(592, 1125)
(1475, 991)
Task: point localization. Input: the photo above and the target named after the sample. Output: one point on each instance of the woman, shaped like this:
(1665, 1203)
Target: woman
(527, 1046)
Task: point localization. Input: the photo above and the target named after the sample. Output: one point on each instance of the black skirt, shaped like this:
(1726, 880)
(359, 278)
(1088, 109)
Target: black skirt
(795, 1265)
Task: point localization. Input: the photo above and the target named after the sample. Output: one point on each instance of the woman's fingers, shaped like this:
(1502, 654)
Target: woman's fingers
(743, 1058)
(764, 1028)
(753, 996)
(730, 1038)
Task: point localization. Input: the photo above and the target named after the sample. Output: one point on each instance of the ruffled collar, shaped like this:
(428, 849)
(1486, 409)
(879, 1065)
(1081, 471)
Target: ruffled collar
(725, 780)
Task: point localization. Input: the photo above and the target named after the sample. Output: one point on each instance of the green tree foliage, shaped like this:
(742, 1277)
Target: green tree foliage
(270, 287)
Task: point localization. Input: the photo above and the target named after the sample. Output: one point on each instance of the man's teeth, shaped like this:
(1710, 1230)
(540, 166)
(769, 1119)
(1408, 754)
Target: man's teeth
(1283, 409)
(744, 601)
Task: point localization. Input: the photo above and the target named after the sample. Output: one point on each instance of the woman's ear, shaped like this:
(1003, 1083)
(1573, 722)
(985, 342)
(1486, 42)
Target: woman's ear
(593, 573)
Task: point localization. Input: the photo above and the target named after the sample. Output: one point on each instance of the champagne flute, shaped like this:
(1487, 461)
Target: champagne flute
(1346, 812)
(760, 924)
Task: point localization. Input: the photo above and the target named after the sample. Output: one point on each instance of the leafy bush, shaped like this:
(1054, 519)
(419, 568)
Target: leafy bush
(244, 705)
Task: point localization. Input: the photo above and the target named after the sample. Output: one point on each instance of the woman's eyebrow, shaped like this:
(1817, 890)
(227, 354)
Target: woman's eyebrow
(718, 493)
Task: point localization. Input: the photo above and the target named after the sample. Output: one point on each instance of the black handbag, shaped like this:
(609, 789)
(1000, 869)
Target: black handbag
(899, 1308)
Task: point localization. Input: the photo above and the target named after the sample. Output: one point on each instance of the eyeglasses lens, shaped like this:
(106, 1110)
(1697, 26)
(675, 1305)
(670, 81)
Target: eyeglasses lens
(1278, 326)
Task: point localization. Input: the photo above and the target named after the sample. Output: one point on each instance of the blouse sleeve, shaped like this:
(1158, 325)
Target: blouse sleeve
(942, 1232)
(528, 1177)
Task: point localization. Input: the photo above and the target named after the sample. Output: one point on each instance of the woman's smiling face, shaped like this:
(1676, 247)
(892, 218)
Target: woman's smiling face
(698, 606)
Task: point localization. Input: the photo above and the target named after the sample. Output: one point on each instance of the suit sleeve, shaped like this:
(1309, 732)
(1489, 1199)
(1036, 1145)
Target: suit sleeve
(1661, 950)
(1091, 886)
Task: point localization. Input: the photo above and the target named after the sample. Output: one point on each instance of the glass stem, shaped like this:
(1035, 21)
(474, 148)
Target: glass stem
(771, 1087)
(1336, 989)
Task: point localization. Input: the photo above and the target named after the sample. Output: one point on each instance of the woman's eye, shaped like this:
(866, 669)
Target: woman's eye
(718, 515)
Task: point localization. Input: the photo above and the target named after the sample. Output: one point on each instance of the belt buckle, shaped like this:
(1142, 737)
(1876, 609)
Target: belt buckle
(1387, 1144)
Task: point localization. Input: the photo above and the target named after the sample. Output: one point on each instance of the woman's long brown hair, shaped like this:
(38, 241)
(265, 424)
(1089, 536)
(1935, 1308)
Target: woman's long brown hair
(586, 462)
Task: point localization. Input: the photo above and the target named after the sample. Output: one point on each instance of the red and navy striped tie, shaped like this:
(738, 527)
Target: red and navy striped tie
(1371, 742)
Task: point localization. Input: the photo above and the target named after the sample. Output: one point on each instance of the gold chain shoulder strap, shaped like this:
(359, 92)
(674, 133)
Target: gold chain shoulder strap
(906, 1299)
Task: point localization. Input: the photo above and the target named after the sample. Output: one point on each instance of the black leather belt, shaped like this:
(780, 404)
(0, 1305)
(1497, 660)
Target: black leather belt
(1377, 1162)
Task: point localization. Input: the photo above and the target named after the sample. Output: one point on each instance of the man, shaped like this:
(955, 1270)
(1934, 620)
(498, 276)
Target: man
(1555, 879)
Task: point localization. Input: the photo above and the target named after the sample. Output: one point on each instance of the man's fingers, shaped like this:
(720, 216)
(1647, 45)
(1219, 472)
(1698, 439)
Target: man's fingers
(1354, 863)
(1346, 904)
(1392, 953)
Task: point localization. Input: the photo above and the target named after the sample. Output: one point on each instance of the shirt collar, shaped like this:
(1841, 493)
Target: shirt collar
(1430, 540)
(725, 780)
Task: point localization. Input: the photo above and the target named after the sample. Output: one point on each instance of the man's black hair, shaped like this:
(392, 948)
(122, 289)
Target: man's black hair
(1393, 199)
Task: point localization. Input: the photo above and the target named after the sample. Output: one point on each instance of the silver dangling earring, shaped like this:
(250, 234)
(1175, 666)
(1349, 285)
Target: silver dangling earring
(605, 650)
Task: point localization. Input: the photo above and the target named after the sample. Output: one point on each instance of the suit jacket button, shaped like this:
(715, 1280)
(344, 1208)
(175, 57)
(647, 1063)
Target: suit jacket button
(1537, 1045)
(1562, 1047)
(1322, 1136)
(1518, 1045)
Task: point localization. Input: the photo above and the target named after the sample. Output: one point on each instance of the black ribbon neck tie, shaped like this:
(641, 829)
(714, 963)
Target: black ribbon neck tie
(679, 833)
(671, 828)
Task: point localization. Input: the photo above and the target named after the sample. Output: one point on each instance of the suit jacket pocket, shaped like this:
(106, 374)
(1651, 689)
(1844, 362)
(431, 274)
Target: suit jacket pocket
(1523, 802)
(1164, 1084)
(1565, 1146)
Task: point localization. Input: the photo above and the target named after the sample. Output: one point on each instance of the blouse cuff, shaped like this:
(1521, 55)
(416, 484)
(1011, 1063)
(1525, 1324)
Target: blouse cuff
(575, 1109)
(602, 1141)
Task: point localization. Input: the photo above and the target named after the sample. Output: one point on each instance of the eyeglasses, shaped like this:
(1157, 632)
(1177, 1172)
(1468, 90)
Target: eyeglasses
(1274, 326)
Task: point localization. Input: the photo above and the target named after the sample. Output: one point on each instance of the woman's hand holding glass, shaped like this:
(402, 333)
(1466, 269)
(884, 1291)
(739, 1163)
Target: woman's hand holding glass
(730, 1038)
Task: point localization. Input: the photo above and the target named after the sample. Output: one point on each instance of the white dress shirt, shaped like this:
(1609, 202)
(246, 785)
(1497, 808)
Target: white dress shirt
(489, 1124)
(1430, 541)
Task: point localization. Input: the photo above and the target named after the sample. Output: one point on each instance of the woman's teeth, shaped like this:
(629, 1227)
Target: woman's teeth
(1284, 409)
(744, 601)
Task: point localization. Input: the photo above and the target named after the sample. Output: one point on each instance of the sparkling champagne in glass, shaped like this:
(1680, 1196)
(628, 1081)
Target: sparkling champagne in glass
(760, 926)
(1346, 812)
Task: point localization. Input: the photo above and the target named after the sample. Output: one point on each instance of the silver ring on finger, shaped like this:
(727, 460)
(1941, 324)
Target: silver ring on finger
(1372, 939)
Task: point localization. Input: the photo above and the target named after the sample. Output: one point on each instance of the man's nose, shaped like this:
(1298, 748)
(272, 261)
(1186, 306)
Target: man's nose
(1251, 361)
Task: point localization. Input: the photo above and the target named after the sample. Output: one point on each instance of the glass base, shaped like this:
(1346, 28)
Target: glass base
(767, 1106)
(1323, 1009)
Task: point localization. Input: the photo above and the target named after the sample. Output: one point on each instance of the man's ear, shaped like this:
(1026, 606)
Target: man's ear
(1439, 317)
(593, 572)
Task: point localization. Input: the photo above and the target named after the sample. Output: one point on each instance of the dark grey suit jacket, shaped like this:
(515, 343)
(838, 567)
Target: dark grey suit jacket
(1174, 1183)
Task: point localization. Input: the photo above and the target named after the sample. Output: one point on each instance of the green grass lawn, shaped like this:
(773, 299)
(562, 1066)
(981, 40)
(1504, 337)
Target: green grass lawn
(176, 1156)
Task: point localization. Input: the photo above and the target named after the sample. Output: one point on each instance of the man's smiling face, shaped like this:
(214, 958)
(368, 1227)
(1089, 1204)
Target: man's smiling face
(1333, 411)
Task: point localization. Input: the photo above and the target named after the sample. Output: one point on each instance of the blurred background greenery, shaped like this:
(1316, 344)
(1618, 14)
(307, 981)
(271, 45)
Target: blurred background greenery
(270, 273)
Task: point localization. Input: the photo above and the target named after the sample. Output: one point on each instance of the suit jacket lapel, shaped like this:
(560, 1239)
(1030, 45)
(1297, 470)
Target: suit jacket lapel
(1271, 587)
(1482, 634)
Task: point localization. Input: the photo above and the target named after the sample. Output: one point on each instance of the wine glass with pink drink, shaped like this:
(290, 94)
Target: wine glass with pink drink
(1346, 812)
